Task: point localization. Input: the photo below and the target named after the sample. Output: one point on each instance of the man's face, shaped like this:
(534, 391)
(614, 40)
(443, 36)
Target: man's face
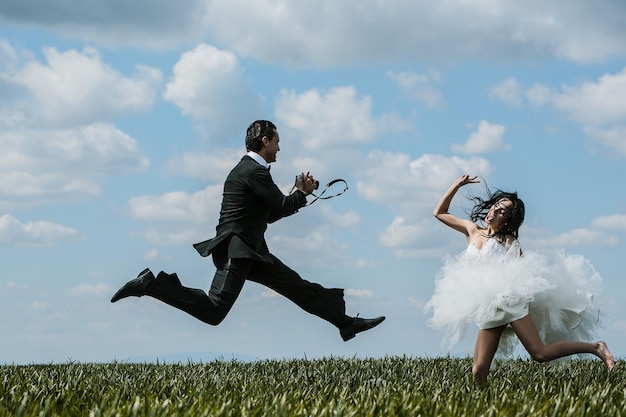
(271, 148)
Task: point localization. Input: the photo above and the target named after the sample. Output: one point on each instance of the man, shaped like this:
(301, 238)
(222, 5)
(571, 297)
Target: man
(250, 201)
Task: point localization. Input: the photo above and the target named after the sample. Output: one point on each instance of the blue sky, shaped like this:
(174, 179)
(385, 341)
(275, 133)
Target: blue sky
(119, 123)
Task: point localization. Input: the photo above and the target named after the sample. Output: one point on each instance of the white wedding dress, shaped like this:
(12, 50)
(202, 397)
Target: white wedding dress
(494, 286)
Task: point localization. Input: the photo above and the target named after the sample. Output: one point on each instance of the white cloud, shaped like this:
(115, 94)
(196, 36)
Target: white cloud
(599, 105)
(12, 285)
(488, 138)
(99, 325)
(347, 219)
(418, 87)
(332, 119)
(21, 188)
(325, 164)
(402, 233)
(326, 33)
(410, 189)
(269, 293)
(208, 85)
(154, 254)
(90, 290)
(38, 306)
(317, 248)
(38, 233)
(419, 304)
(8, 57)
(539, 94)
(389, 178)
(508, 91)
(359, 293)
(363, 263)
(175, 216)
(614, 138)
(590, 102)
(340, 33)
(54, 138)
(168, 235)
(42, 166)
(612, 223)
(178, 206)
(581, 237)
(75, 87)
(213, 166)
(412, 239)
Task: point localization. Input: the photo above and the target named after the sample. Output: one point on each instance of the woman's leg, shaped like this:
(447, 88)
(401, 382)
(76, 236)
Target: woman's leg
(527, 333)
(484, 351)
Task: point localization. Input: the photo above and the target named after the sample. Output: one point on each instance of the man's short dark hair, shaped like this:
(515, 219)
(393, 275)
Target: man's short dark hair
(255, 133)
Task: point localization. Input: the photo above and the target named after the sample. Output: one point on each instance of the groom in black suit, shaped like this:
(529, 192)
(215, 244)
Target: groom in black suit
(250, 201)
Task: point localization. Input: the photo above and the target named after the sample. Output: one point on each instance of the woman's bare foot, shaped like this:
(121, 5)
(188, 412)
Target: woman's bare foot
(603, 352)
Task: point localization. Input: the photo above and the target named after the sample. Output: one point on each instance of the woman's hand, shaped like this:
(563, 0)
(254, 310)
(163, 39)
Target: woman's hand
(441, 211)
(466, 179)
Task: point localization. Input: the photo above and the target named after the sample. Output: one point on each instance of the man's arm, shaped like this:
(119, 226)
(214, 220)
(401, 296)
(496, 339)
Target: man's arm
(280, 205)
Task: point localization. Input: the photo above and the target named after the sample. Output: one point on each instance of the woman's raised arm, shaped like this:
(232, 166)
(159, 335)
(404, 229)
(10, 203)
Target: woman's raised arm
(441, 211)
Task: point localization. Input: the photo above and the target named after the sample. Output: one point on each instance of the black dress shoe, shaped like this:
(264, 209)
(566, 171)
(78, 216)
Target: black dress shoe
(135, 287)
(359, 325)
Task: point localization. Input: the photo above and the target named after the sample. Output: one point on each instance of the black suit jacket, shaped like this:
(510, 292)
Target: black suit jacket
(250, 201)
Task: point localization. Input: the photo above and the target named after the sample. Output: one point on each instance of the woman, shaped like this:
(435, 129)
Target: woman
(492, 284)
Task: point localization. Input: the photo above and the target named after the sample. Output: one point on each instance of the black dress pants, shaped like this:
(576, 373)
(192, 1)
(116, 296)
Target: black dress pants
(230, 276)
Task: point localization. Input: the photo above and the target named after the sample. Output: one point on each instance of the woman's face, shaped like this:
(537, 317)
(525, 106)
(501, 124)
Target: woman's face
(499, 214)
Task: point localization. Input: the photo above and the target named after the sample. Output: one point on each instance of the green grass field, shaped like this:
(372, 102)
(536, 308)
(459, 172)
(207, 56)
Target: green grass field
(393, 386)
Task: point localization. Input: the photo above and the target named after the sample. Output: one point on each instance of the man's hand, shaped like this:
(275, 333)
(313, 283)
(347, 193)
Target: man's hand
(306, 183)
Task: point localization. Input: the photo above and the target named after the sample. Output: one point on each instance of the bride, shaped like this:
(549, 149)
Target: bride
(533, 297)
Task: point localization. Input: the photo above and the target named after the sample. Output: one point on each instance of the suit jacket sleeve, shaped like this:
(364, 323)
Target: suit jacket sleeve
(279, 205)
(279, 214)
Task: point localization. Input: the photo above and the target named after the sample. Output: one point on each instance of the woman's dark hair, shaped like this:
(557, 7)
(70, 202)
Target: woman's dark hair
(255, 133)
(482, 206)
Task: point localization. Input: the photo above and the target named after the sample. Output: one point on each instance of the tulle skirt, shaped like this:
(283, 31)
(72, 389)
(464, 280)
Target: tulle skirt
(560, 291)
